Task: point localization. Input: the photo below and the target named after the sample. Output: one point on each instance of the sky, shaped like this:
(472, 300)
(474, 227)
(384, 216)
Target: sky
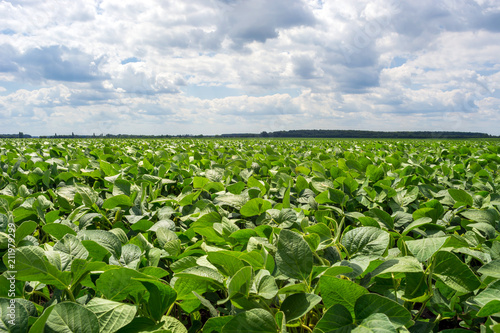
(232, 66)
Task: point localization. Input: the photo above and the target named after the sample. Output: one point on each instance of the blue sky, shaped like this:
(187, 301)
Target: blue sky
(225, 66)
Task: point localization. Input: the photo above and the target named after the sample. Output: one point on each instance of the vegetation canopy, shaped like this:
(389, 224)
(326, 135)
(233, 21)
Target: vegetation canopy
(249, 236)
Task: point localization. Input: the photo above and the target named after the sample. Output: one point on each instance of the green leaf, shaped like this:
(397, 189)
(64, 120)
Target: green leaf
(461, 196)
(111, 315)
(31, 265)
(490, 216)
(370, 304)
(13, 316)
(375, 323)
(161, 297)
(425, 248)
(70, 245)
(294, 258)
(339, 291)
(454, 273)
(240, 283)
(58, 230)
(117, 284)
(297, 305)
(491, 269)
(336, 319)
(26, 228)
(106, 239)
(491, 293)
(365, 241)
(381, 217)
(254, 207)
(215, 325)
(70, 318)
(226, 263)
(416, 224)
(255, 320)
(120, 200)
(39, 324)
(398, 265)
(489, 308)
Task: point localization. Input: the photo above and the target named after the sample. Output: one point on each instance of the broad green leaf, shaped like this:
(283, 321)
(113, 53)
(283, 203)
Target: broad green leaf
(215, 325)
(381, 217)
(375, 323)
(70, 245)
(13, 316)
(225, 263)
(398, 265)
(336, 319)
(240, 283)
(111, 315)
(297, 305)
(490, 216)
(254, 207)
(491, 293)
(294, 257)
(339, 291)
(491, 269)
(365, 241)
(120, 200)
(201, 272)
(31, 265)
(425, 248)
(39, 324)
(255, 320)
(489, 308)
(26, 228)
(106, 239)
(267, 287)
(161, 297)
(461, 196)
(370, 304)
(171, 324)
(131, 256)
(117, 284)
(58, 230)
(454, 273)
(416, 224)
(71, 318)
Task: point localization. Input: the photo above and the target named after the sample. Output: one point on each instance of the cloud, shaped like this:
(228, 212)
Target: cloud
(122, 66)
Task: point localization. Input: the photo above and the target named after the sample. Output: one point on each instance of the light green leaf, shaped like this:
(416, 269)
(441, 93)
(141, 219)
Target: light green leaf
(461, 196)
(31, 265)
(294, 257)
(254, 207)
(71, 318)
(240, 283)
(370, 304)
(425, 248)
(111, 315)
(13, 316)
(454, 273)
(339, 291)
(375, 323)
(120, 200)
(365, 241)
(255, 320)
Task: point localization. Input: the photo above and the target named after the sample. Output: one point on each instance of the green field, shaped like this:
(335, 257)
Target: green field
(249, 236)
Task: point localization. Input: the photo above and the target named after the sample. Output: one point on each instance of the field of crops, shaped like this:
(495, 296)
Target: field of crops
(249, 236)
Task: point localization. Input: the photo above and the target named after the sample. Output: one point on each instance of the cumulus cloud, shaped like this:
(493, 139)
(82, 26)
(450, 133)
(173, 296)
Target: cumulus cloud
(218, 66)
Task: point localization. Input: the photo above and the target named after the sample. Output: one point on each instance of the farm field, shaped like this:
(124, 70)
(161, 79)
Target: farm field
(249, 236)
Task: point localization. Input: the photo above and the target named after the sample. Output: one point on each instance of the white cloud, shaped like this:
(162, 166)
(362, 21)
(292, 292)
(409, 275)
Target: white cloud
(217, 66)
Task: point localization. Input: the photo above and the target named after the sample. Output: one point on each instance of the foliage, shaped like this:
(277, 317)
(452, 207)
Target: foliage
(250, 235)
